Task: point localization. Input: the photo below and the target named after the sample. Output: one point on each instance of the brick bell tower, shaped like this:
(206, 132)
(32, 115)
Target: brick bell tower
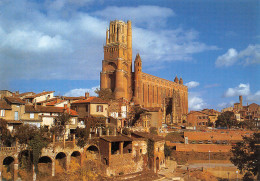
(117, 64)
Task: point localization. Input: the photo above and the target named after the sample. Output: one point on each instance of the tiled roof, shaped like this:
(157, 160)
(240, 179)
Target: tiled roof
(148, 136)
(43, 109)
(14, 100)
(48, 109)
(196, 112)
(52, 103)
(94, 100)
(4, 105)
(116, 138)
(50, 100)
(72, 98)
(72, 112)
(25, 93)
(217, 135)
(39, 94)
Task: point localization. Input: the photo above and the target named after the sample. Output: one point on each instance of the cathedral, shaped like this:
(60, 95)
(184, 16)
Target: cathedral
(141, 88)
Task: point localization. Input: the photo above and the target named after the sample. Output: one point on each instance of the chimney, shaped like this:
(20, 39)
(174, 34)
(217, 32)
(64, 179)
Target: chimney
(86, 95)
(35, 104)
(241, 100)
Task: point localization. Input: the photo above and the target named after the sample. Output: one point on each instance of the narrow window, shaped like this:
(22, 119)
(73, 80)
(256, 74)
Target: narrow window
(31, 115)
(157, 94)
(143, 92)
(153, 94)
(16, 117)
(148, 94)
(2, 113)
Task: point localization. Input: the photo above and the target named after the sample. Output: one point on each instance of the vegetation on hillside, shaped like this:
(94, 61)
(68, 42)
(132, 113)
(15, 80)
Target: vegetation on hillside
(246, 156)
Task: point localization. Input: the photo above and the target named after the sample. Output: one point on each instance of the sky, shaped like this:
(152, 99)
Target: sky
(57, 45)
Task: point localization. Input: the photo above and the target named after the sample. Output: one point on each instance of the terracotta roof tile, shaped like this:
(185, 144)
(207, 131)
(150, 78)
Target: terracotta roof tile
(14, 100)
(116, 138)
(4, 105)
(39, 94)
(48, 109)
(91, 100)
(148, 136)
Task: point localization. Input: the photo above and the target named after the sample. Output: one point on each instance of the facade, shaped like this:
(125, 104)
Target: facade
(141, 88)
(91, 107)
(197, 118)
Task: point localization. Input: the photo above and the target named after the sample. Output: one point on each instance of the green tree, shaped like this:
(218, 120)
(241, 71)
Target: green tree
(226, 119)
(246, 156)
(35, 138)
(82, 136)
(6, 139)
(60, 124)
(35, 145)
(105, 94)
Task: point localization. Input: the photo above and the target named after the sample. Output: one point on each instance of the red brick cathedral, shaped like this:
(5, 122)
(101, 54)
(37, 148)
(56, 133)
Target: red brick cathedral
(147, 90)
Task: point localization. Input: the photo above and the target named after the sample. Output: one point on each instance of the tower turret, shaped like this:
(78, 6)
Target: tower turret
(176, 80)
(181, 81)
(137, 80)
(117, 64)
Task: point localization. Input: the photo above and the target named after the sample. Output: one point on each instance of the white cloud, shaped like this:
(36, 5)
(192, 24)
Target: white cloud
(81, 92)
(250, 55)
(54, 40)
(254, 97)
(225, 105)
(241, 89)
(144, 16)
(192, 84)
(196, 102)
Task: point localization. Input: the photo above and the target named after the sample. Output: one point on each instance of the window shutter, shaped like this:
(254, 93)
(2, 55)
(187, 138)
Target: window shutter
(101, 108)
(97, 109)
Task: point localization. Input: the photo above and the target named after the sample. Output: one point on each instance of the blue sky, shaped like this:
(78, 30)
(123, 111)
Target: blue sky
(58, 45)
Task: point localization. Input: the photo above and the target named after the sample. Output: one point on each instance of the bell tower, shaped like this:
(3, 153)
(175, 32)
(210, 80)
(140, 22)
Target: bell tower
(117, 64)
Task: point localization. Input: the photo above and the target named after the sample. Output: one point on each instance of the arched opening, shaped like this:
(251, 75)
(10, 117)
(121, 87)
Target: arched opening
(92, 152)
(44, 167)
(75, 161)
(25, 162)
(8, 168)
(157, 164)
(60, 162)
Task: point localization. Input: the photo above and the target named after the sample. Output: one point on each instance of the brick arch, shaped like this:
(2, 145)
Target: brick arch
(75, 159)
(110, 66)
(45, 165)
(92, 152)
(8, 162)
(61, 158)
(92, 146)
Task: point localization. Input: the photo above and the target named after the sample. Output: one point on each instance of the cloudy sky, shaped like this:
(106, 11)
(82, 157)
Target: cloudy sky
(58, 45)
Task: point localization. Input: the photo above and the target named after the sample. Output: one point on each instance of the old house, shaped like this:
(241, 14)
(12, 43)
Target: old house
(12, 111)
(91, 107)
(38, 98)
(197, 118)
(157, 161)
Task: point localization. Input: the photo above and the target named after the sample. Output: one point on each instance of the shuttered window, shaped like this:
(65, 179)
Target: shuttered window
(2, 113)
